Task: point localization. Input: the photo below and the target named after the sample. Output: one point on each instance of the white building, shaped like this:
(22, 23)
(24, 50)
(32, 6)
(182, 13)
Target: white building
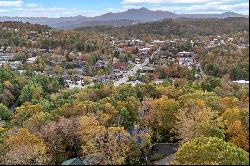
(241, 82)
(15, 64)
(31, 60)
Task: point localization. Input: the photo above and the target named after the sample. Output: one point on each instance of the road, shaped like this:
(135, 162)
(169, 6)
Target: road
(201, 71)
(165, 161)
(132, 72)
(12, 108)
(124, 79)
(167, 149)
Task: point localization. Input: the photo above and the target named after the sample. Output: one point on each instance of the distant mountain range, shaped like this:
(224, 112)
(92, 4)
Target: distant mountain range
(129, 17)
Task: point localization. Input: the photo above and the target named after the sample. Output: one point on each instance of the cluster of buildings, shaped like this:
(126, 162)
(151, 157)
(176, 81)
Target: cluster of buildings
(139, 50)
(7, 57)
(219, 41)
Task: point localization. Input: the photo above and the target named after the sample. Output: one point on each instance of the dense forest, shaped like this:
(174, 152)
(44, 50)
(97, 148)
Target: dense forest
(24, 26)
(53, 124)
(229, 62)
(177, 28)
(17, 34)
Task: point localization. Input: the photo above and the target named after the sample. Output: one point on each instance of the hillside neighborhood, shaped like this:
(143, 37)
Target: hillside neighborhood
(142, 58)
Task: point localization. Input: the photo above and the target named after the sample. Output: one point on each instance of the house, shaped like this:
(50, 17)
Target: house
(186, 58)
(115, 60)
(121, 45)
(31, 60)
(129, 50)
(138, 42)
(79, 64)
(3, 63)
(241, 82)
(6, 56)
(230, 39)
(15, 64)
(101, 64)
(184, 39)
(163, 54)
(56, 60)
(148, 69)
(42, 50)
(158, 42)
(158, 81)
(198, 43)
(8, 49)
(120, 50)
(161, 61)
(2, 49)
(185, 54)
(144, 51)
(121, 65)
(138, 61)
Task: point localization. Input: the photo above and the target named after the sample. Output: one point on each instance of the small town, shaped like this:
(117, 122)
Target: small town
(124, 82)
(134, 62)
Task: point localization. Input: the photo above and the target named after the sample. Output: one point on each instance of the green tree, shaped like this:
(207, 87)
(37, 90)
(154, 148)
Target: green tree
(210, 84)
(109, 144)
(25, 112)
(4, 113)
(30, 92)
(211, 151)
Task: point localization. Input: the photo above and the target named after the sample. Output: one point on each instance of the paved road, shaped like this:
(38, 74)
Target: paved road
(131, 73)
(168, 149)
(12, 108)
(165, 161)
(201, 71)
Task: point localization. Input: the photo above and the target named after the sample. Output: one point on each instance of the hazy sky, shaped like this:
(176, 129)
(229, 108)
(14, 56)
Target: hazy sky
(61, 8)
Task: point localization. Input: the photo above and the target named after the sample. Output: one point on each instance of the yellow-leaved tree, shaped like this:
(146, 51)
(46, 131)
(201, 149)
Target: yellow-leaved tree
(236, 127)
(24, 148)
(108, 144)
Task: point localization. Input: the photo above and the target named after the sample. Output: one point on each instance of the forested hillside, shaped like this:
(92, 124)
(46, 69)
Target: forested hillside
(177, 27)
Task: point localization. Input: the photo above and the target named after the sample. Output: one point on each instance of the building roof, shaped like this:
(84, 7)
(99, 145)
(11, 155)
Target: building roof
(241, 82)
(32, 59)
(148, 68)
(74, 161)
(120, 65)
(185, 52)
(129, 49)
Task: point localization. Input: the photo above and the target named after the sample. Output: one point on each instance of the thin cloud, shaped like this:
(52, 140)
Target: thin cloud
(214, 7)
(39, 11)
(191, 6)
(11, 3)
(134, 2)
(22, 9)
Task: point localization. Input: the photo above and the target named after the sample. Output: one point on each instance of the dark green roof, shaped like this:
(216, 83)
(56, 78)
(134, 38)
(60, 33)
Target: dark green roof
(74, 161)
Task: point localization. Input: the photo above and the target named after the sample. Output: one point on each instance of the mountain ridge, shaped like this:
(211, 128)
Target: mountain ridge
(128, 17)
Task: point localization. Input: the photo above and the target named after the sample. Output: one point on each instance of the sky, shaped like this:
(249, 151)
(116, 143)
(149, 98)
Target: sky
(65, 8)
